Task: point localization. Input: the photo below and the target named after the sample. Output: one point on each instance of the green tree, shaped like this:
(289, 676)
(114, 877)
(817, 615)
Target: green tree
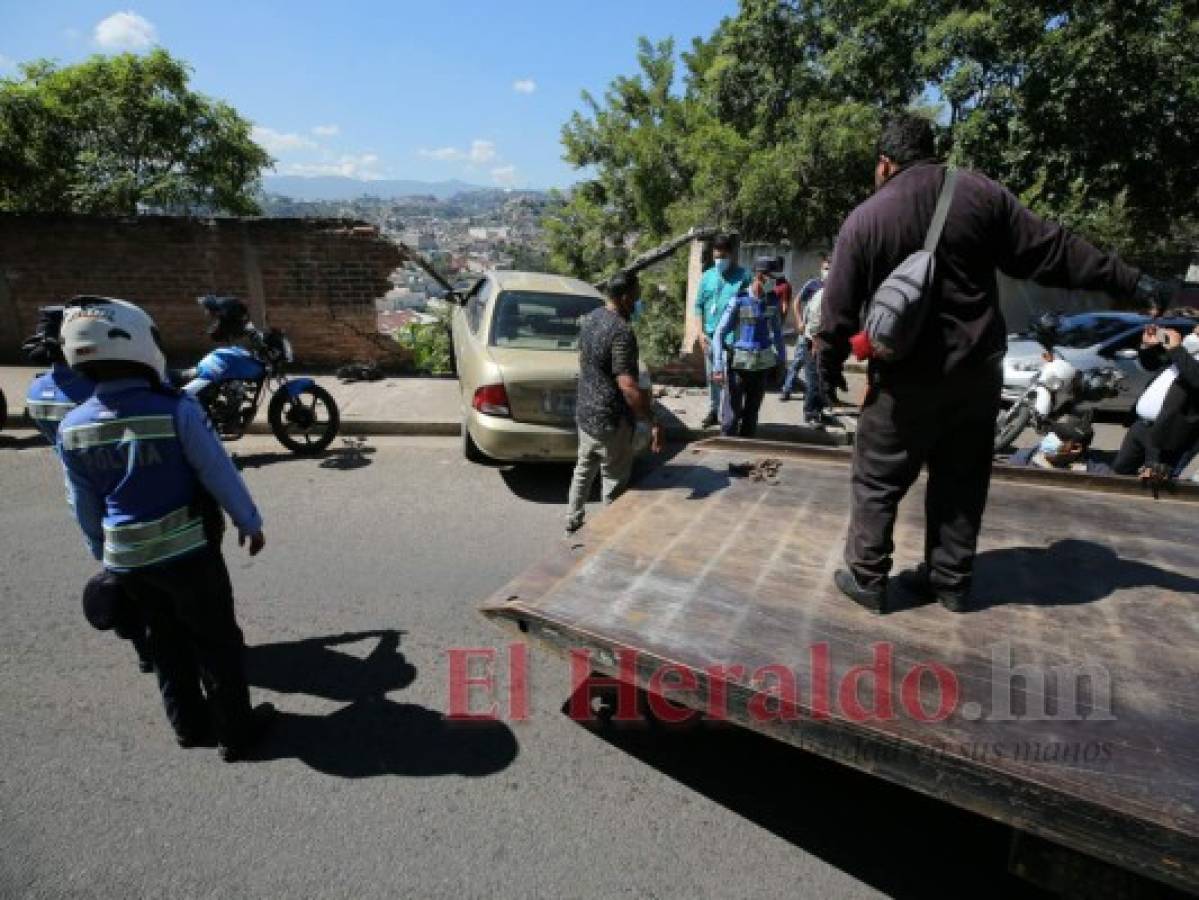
(115, 133)
(1084, 109)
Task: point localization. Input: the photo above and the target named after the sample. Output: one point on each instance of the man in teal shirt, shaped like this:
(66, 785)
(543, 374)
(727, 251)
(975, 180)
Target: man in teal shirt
(718, 286)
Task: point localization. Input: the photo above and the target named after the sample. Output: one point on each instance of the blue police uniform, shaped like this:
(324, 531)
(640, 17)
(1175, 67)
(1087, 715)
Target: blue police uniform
(145, 466)
(748, 347)
(52, 395)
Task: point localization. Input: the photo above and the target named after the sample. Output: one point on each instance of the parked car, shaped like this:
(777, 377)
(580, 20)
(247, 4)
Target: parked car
(515, 338)
(1090, 341)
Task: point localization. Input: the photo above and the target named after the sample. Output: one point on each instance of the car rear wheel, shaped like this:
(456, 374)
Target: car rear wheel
(470, 450)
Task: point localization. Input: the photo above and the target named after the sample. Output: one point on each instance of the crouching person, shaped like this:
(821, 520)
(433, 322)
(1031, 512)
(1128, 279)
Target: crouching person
(144, 467)
(611, 404)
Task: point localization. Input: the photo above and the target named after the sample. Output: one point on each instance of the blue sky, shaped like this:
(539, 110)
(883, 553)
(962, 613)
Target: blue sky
(426, 90)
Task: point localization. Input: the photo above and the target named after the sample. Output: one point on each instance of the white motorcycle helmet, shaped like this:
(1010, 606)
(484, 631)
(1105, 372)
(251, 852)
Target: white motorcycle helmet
(104, 329)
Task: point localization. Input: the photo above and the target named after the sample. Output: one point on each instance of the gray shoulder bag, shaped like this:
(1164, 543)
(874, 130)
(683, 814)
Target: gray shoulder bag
(896, 313)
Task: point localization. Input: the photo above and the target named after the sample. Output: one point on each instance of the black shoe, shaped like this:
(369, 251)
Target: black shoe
(918, 583)
(709, 420)
(260, 721)
(873, 599)
(785, 396)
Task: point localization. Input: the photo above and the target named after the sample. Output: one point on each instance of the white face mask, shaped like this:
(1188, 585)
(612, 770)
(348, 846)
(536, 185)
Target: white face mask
(1190, 344)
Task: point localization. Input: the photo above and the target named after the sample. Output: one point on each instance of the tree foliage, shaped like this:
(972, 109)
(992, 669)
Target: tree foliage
(117, 133)
(1085, 109)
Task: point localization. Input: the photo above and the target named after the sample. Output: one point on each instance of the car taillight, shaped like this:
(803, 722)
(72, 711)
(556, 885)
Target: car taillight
(492, 400)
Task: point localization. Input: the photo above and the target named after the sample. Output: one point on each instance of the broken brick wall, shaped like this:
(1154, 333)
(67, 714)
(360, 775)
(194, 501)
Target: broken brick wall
(316, 279)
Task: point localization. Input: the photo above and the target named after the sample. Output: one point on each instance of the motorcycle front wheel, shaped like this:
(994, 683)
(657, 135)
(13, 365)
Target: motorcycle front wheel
(307, 423)
(1010, 423)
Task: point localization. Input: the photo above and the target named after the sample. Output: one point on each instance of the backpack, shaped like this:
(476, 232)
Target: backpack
(897, 312)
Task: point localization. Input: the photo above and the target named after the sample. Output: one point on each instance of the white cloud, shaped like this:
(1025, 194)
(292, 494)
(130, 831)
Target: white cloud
(482, 151)
(442, 153)
(505, 175)
(280, 142)
(363, 167)
(125, 31)
(524, 85)
(326, 130)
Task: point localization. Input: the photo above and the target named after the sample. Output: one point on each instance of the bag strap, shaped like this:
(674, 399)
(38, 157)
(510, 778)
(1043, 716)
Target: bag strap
(944, 199)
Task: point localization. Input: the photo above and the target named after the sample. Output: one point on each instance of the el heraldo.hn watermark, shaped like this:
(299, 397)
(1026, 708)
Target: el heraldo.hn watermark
(880, 688)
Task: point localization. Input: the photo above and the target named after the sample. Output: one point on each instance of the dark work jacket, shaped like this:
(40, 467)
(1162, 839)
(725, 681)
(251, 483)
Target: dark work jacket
(1176, 429)
(987, 229)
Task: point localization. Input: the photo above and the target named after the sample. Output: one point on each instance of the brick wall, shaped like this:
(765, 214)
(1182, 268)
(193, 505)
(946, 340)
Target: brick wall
(315, 279)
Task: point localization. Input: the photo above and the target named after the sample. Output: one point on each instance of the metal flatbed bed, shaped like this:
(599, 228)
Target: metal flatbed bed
(1074, 717)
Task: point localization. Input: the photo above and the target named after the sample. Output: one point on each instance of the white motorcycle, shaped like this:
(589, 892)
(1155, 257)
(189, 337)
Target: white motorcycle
(1059, 389)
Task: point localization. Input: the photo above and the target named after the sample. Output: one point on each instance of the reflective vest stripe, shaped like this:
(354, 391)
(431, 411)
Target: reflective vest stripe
(143, 428)
(139, 532)
(126, 555)
(755, 360)
(48, 411)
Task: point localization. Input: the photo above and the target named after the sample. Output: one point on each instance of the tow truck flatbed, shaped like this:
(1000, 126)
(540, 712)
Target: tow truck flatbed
(1074, 717)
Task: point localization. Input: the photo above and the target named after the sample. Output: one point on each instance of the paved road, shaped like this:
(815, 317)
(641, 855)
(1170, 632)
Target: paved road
(372, 571)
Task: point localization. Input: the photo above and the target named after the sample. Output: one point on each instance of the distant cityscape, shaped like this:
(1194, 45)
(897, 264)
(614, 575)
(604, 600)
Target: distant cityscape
(463, 235)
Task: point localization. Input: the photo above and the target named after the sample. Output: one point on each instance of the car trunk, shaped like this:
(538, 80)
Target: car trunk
(541, 384)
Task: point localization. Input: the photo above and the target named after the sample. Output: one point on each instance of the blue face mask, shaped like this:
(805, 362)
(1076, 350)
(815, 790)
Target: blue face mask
(638, 309)
(1051, 444)
(722, 264)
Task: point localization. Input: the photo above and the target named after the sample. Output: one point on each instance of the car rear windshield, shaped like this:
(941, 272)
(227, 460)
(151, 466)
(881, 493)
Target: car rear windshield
(531, 320)
(1087, 331)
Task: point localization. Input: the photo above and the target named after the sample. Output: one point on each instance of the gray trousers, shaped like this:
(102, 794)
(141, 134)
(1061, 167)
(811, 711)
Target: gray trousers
(715, 389)
(610, 454)
(948, 425)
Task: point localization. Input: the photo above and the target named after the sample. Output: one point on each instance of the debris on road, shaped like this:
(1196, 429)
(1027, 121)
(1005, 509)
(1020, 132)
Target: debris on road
(765, 469)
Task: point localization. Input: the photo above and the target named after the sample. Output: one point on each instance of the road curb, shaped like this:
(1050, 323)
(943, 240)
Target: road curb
(368, 427)
(681, 434)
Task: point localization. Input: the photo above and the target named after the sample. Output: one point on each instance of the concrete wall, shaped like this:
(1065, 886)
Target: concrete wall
(315, 279)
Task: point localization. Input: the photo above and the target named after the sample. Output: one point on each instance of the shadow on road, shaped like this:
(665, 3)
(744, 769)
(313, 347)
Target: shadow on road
(550, 482)
(355, 457)
(895, 840)
(1066, 572)
(25, 442)
(371, 735)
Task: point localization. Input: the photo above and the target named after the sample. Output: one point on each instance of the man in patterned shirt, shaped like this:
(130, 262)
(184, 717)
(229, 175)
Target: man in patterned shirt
(611, 403)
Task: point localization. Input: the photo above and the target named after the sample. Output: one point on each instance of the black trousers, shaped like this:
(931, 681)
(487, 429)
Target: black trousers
(948, 425)
(195, 642)
(742, 401)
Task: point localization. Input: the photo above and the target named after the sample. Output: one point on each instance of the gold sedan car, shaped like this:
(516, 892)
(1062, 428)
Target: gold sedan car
(516, 350)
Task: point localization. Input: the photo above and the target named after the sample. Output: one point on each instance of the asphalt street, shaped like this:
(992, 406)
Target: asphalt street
(375, 563)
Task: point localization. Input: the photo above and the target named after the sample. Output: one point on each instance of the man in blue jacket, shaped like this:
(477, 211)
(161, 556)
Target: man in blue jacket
(145, 468)
(718, 286)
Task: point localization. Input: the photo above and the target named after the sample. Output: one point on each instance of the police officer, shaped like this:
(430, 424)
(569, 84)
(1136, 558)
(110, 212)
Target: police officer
(757, 350)
(51, 396)
(55, 393)
(145, 468)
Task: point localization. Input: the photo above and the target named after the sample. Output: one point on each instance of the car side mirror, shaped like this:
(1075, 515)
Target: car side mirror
(1127, 354)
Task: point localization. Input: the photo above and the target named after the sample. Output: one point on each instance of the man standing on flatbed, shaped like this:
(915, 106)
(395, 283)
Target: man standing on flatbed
(937, 405)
